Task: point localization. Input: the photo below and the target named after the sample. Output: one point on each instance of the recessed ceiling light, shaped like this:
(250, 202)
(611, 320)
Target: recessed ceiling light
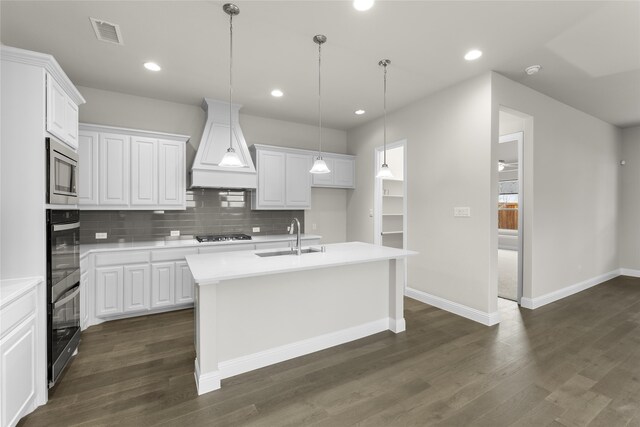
(362, 5)
(473, 54)
(276, 93)
(532, 69)
(152, 66)
(359, 112)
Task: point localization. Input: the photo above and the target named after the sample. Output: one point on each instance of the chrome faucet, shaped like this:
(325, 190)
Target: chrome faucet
(298, 247)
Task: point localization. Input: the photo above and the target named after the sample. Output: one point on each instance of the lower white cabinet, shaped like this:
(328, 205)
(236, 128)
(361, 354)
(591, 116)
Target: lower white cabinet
(84, 300)
(163, 284)
(184, 283)
(136, 288)
(18, 361)
(109, 289)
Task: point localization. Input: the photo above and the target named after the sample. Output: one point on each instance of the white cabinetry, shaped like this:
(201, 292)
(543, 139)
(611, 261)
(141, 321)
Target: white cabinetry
(62, 113)
(109, 289)
(342, 173)
(284, 181)
(136, 288)
(184, 283)
(163, 284)
(126, 169)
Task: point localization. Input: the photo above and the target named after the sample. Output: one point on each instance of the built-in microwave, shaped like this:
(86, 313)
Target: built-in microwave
(62, 173)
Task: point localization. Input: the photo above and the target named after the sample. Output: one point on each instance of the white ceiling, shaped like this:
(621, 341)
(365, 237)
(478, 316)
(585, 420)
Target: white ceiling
(589, 51)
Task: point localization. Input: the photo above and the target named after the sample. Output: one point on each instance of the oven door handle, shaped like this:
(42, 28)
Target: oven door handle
(68, 298)
(62, 227)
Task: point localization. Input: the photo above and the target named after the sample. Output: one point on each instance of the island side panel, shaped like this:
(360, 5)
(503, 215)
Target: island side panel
(206, 341)
(396, 296)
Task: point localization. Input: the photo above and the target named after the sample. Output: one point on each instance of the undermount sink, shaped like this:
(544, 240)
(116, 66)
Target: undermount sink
(287, 252)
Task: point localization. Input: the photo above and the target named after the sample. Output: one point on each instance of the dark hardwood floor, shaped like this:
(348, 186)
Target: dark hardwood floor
(575, 362)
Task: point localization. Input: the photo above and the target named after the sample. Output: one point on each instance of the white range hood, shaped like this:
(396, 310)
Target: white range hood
(205, 172)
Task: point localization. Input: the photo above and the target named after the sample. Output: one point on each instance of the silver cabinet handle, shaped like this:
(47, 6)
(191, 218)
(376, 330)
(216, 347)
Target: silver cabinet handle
(68, 298)
(62, 227)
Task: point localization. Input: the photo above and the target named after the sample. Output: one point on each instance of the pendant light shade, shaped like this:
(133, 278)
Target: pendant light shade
(231, 158)
(384, 172)
(319, 165)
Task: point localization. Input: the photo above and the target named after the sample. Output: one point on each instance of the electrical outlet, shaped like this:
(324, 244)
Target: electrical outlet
(256, 229)
(313, 226)
(101, 235)
(462, 212)
(175, 233)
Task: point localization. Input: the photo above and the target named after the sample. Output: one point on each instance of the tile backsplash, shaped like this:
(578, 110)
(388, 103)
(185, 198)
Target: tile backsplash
(208, 211)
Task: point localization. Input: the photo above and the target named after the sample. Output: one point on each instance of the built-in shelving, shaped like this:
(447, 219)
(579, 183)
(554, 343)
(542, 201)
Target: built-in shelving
(392, 216)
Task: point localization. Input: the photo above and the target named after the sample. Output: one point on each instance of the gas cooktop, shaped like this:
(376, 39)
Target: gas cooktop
(222, 237)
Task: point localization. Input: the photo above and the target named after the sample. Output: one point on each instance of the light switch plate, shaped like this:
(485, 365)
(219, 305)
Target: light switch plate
(462, 212)
(101, 235)
(256, 229)
(175, 233)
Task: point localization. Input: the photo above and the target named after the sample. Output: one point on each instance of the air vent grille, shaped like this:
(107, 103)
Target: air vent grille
(106, 31)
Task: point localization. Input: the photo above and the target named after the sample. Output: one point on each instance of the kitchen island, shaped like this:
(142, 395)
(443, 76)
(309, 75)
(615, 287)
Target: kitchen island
(252, 311)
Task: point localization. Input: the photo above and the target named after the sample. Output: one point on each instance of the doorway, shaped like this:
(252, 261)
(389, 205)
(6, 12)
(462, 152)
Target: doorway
(510, 202)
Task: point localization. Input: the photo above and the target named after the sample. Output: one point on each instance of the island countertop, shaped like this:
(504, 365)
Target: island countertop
(212, 268)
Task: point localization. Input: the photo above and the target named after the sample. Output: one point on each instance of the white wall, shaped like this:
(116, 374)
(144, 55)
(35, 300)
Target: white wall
(630, 200)
(571, 186)
(328, 210)
(449, 164)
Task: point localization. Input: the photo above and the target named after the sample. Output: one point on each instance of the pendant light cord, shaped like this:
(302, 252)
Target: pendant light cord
(320, 99)
(384, 103)
(230, 79)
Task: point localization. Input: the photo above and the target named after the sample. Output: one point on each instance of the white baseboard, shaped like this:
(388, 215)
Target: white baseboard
(536, 302)
(488, 319)
(629, 272)
(240, 365)
(397, 326)
(206, 382)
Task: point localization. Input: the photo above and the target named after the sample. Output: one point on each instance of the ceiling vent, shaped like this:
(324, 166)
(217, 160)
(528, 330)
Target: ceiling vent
(106, 31)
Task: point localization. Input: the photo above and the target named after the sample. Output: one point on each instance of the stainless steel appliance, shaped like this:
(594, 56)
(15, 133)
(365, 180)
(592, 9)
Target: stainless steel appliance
(63, 288)
(222, 237)
(62, 173)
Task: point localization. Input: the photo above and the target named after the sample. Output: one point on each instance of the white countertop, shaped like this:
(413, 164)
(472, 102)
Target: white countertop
(11, 289)
(105, 247)
(212, 268)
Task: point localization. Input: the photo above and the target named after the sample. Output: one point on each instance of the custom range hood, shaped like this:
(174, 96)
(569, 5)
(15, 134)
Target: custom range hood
(206, 172)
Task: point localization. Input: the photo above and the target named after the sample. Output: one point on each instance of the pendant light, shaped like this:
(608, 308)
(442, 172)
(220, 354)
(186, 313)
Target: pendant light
(384, 171)
(319, 165)
(231, 158)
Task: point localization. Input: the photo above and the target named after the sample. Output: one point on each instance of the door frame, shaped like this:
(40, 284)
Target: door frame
(518, 136)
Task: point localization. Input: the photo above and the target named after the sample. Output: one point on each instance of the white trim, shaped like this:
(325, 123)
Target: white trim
(207, 382)
(533, 303)
(397, 326)
(629, 272)
(91, 127)
(240, 365)
(476, 315)
(46, 61)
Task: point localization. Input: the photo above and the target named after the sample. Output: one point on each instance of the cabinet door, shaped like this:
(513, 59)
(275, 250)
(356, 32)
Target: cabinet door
(56, 105)
(144, 171)
(271, 179)
(298, 181)
(162, 284)
(109, 289)
(137, 287)
(71, 122)
(184, 283)
(18, 373)
(344, 173)
(172, 174)
(114, 169)
(323, 179)
(88, 169)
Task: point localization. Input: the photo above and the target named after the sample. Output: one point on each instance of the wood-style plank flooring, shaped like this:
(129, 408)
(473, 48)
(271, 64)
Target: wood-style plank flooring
(575, 362)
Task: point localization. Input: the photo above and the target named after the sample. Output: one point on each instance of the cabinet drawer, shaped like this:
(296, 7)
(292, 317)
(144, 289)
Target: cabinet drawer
(227, 248)
(17, 311)
(124, 257)
(172, 254)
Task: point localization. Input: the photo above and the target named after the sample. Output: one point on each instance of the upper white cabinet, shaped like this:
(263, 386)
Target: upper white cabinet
(284, 181)
(342, 175)
(62, 113)
(131, 169)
